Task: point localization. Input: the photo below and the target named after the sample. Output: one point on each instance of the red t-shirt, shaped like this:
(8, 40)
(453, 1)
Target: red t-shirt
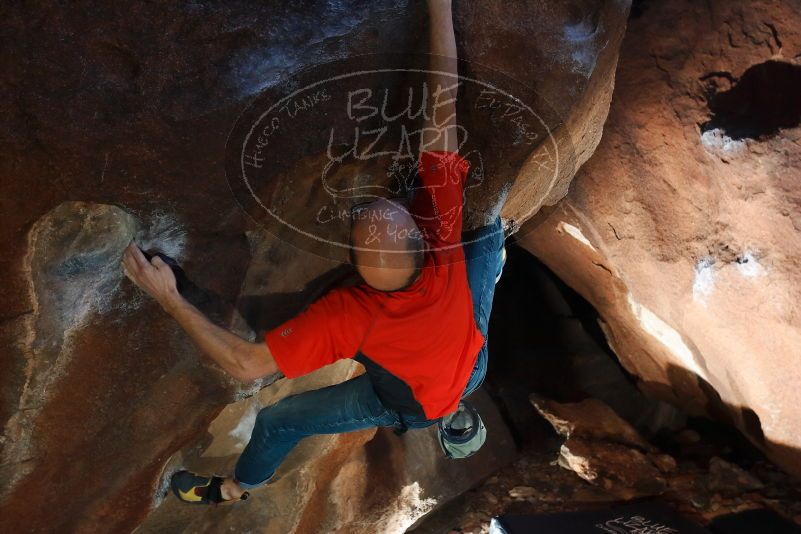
(419, 345)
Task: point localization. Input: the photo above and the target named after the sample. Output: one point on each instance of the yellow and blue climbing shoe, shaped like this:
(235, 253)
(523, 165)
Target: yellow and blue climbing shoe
(194, 489)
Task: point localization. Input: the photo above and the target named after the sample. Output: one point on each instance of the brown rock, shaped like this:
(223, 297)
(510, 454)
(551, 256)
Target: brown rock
(130, 106)
(603, 449)
(522, 492)
(683, 228)
(664, 462)
(730, 479)
(589, 419)
(623, 471)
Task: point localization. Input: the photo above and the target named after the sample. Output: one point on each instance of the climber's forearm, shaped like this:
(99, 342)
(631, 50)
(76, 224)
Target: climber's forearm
(439, 128)
(242, 359)
(442, 39)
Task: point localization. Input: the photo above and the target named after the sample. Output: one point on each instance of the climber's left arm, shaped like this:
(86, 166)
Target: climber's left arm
(439, 125)
(240, 358)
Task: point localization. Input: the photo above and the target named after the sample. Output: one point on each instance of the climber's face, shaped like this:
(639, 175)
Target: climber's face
(386, 247)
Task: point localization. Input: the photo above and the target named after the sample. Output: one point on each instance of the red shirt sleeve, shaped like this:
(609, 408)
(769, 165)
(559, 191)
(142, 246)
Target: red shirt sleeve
(331, 329)
(437, 202)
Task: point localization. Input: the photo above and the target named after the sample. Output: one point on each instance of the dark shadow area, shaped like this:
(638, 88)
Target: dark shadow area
(638, 7)
(545, 339)
(719, 434)
(749, 521)
(263, 312)
(764, 100)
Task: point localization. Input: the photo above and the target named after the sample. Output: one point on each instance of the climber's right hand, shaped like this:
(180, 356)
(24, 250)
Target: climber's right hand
(153, 277)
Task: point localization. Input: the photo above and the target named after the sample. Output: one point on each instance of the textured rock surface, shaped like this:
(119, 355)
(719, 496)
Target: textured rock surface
(588, 419)
(683, 228)
(372, 481)
(603, 449)
(701, 486)
(72, 263)
(129, 106)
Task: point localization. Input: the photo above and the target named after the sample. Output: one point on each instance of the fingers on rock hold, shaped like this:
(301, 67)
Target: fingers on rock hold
(138, 257)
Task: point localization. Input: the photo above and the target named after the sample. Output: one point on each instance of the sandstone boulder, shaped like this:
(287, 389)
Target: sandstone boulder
(605, 450)
(683, 228)
(128, 108)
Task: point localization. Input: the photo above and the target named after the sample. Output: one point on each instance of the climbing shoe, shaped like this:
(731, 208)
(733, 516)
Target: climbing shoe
(194, 489)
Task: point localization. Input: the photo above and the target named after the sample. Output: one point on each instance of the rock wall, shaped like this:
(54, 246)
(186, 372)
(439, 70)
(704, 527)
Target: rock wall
(683, 228)
(115, 122)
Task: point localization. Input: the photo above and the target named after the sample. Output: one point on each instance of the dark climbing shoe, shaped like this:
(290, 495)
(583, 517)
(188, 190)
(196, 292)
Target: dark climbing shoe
(194, 489)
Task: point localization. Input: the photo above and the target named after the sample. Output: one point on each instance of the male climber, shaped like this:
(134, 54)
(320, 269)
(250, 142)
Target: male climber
(418, 322)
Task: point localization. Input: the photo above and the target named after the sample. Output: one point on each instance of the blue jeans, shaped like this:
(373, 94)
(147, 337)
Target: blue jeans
(353, 405)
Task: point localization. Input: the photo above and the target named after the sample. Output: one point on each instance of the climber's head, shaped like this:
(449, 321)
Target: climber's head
(386, 245)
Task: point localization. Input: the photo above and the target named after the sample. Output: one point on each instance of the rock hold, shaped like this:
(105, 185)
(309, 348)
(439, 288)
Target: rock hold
(74, 266)
(605, 450)
(588, 419)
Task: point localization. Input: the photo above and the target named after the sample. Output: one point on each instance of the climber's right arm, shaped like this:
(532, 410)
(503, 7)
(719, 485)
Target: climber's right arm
(242, 359)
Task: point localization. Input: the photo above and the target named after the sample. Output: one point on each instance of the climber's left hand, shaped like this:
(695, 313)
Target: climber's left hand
(153, 277)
